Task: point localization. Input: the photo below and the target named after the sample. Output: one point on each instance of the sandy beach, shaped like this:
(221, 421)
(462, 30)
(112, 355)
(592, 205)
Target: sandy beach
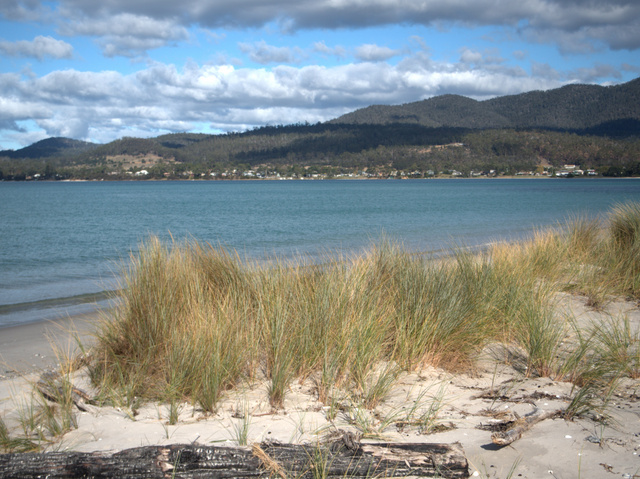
(33, 346)
(465, 408)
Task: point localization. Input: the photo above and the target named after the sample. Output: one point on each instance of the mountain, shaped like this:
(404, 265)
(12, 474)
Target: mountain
(51, 148)
(572, 107)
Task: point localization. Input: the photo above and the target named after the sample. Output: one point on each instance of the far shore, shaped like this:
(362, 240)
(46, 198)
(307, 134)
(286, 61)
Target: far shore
(353, 178)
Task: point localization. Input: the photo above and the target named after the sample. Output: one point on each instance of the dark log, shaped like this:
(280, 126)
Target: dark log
(266, 460)
(520, 426)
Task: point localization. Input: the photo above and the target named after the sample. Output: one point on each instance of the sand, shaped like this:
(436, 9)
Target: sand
(553, 448)
(35, 346)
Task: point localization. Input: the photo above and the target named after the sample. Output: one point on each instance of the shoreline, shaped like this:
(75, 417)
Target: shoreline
(428, 405)
(31, 347)
(54, 309)
(355, 178)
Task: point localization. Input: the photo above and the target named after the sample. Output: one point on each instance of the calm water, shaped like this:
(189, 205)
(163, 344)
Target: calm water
(60, 241)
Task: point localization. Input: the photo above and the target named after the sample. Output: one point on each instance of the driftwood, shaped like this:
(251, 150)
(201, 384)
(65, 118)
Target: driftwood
(53, 387)
(265, 460)
(521, 425)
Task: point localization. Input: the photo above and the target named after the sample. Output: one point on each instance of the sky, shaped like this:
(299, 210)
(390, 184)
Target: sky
(98, 70)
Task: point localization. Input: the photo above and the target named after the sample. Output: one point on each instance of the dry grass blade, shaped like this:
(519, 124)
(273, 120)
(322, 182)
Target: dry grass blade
(269, 464)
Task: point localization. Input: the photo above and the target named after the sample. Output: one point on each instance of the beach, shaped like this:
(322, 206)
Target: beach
(380, 346)
(467, 405)
(35, 346)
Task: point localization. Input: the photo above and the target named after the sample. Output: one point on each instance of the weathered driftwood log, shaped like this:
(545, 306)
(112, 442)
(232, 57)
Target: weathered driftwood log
(268, 460)
(520, 426)
(53, 387)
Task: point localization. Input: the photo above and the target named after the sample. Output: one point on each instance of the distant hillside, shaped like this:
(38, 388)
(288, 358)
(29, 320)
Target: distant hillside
(595, 127)
(51, 148)
(572, 107)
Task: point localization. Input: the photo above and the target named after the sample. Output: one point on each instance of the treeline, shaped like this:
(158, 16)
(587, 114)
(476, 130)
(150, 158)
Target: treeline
(341, 148)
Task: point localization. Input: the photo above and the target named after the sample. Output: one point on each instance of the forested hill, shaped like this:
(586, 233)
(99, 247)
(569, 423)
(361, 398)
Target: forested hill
(50, 147)
(572, 107)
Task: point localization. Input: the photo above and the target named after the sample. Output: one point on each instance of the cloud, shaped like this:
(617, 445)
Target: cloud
(375, 53)
(595, 73)
(161, 97)
(630, 68)
(520, 54)
(612, 22)
(568, 43)
(40, 47)
(619, 37)
(77, 127)
(488, 59)
(12, 111)
(585, 26)
(544, 70)
(22, 10)
(130, 28)
(470, 56)
(126, 34)
(337, 51)
(262, 53)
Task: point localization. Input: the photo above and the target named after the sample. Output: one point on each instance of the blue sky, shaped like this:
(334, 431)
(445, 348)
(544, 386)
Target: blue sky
(100, 70)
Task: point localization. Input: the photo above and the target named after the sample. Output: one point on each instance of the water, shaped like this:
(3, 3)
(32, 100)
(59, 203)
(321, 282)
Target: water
(61, 243)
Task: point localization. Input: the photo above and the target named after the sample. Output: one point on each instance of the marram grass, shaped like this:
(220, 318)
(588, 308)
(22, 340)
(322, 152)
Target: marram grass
(194, 320)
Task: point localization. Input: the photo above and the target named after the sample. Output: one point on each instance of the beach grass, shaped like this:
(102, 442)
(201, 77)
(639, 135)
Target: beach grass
(195, 320)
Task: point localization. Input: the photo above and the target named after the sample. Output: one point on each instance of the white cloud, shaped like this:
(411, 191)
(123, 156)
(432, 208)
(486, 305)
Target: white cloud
(14, 110)
(375, 53)
(40, 47)
(487, 57)
(261, 52)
